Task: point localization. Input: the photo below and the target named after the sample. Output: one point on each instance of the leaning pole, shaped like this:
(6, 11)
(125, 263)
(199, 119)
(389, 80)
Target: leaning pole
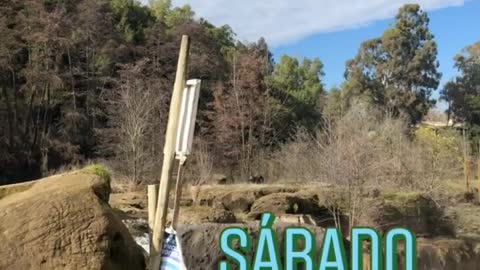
(169, 154)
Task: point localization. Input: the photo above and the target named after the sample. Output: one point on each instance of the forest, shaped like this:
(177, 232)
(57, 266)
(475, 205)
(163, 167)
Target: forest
(91, 80)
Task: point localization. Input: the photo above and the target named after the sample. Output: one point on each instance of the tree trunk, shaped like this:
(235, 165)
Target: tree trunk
(9, 115)
(72, 81)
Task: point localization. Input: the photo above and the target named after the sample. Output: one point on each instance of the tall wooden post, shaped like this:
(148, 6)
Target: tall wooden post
(152, 206)
(178, 194)
(477, 191)
(169, 154)
(466, 162)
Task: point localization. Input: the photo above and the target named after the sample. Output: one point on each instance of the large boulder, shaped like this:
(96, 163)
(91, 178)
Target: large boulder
(64, 222)
(206, 238)
(202, 214)
(239, 197)
(288, 203)
(433, 254)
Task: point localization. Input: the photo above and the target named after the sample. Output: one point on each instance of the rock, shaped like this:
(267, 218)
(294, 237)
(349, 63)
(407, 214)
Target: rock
(203, 214)
(131, 203)
(466, 217)
(287, 203)
(414, 211)
(136, 227)
(239, 197)
(443, 254)
(448, 254)
(205, 237)
(298, 220)
(220, 216)
(236, 202)
(65, 222)
(433, 254)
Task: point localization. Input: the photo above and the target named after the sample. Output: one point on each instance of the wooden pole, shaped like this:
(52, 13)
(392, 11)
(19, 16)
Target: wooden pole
(466, 171)
(169, 154)
(178, 194)
(477, 192)
(152, 206)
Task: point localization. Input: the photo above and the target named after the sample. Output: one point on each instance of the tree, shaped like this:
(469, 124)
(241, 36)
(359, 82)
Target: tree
(237, 113)
(442, 154)
(463, 92)
(295, 97)
(134, 137)
(131, 19)
(223, 35)
(160, 8)
(397, 71)
(171, 17)
(333, 108)
(56, 58)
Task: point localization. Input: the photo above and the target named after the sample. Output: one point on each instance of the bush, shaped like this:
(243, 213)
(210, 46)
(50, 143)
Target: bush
(368, 149)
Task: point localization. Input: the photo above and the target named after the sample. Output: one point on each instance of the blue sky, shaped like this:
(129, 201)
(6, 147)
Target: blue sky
(453, 27)
(333, 29)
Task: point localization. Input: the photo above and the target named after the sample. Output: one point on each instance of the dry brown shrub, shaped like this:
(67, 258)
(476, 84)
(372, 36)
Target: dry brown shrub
(365, 149)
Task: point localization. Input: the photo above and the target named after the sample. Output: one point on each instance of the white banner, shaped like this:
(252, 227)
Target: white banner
(172, 257)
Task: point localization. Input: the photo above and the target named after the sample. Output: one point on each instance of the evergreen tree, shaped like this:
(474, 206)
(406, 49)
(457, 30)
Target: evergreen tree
(295, 97)
(398, 70)
(463, 92)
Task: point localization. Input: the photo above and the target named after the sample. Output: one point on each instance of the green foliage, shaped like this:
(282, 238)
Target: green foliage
(98, 170)
(223, 35)
(333, 105)
(62, 62)
(463, 93)
(440, 143)
(442, 152)
(179, 16)
(161, 8)
(296, 92)
(171, 17)
(398, 70)
(132, 19)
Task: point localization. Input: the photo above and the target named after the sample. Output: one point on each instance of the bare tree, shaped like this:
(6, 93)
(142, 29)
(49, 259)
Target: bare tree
(368, 149)
(135, 110)
(239, 107)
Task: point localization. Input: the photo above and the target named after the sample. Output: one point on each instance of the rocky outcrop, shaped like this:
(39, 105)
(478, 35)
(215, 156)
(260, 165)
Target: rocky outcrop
(448, 254)
(64, 222)
(415, 211)
(205, 238)
(287, 203)
(202, 214)
(238, 198)
(433, 254)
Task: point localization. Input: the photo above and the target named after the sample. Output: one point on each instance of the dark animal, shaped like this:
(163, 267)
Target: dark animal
(222, 181)
(219, 179)
(256, 179)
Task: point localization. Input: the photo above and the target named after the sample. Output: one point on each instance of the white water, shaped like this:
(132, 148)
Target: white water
(143, 241)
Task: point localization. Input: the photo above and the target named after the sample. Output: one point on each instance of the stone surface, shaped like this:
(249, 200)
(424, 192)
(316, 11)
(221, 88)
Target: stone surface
(200, 243)
(64, 222)
(415, 211)
(287, 203)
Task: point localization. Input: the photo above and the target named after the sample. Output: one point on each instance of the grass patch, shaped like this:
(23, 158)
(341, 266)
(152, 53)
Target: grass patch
(402, 198)
(412, 204)
(99, 170)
